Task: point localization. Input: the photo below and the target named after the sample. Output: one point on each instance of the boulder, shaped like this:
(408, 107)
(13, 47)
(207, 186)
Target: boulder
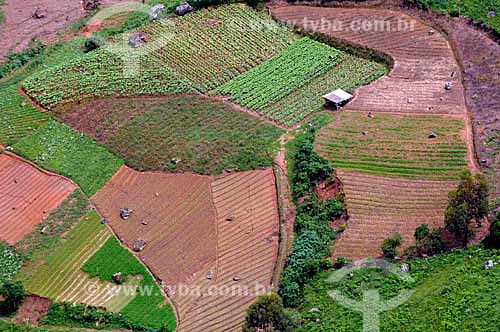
(405, 268)
(157, 12)
(39, 13)
(183, 9)
(117, 277)
(137, 39)
(489, 264)
(448, 86)
(125, 213)
(139, 245)
(90, 4)
(433, 135)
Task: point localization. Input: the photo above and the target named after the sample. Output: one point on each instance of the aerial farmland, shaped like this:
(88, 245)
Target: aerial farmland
(249, 166)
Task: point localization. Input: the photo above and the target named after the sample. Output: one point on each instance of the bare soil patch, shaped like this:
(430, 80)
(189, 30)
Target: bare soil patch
(33, 309)
(20, 27)
(27, 196)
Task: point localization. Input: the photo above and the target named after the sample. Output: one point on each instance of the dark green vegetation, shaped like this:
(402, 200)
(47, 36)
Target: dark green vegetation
(395, 145)
(13, 296)
(10, 262)
(390, 246)
(311, 246)
(16, 60)
(492, 241)
(469, 202)
(59, 148)
(268, 314)
(11, 327)
(81, 315)
(477, 10)
(453, 293)
(428, 242)
(148, 309)
(187, 133)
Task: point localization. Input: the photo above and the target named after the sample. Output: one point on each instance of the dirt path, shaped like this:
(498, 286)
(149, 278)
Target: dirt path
(424, 64)
(287, 209)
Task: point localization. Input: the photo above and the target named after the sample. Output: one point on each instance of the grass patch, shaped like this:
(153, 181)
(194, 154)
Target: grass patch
(475, 9)
(453, 293)
(395, 145)
(206, 136)
(278, 77)
(74, 155)
(147, 310)
(35, 247)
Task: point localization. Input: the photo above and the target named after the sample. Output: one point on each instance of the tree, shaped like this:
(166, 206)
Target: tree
(267, 314)
(492, 241)
(428, 242)
(14, 294)
(467, 203)
(390, 245)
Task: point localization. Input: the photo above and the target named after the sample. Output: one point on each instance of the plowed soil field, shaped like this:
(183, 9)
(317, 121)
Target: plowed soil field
(27, 196)
(180, 233)
(423, 61)
(205, 237)
(381, 206)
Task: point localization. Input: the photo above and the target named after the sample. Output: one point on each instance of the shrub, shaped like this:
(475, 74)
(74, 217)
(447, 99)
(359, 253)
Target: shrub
(13, 294)
(492, 241)
(9, 262)
(268, 314)
(390, 246)
(428, 242)
(93, 43)
(16, 60)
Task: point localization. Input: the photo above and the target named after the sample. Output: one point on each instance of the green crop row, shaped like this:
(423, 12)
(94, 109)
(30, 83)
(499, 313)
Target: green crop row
(350, 73)
(291, 69)
(149, 307)
(395, 145)
(61, 149)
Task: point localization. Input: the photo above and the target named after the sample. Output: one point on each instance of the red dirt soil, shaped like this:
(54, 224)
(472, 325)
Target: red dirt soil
(180, 233)
(381, 206)
(246, 253)
(228, 226)
(33, 309)
(27, 196)
(423, 62)
(20, 27)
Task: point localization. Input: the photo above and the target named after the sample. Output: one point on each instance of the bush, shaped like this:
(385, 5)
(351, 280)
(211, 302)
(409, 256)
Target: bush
(16, 60)
(13, 294)
(268, 314)
(390, 246)
(93, 43)
(492, 241)
(428, 242)
(9, 262)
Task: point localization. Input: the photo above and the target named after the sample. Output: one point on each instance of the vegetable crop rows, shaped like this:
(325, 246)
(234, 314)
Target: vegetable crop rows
(395, 145)
(278, 77)
(69, 153)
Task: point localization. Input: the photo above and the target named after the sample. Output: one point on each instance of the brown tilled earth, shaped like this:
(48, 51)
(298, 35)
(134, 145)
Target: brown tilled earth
(226, 227)
(20, 27)
(423, 63)
(173, 213)
(27, 196)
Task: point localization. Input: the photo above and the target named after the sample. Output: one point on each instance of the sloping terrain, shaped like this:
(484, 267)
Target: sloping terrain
(172, 213)
(247, 245)
(391, 148)
(27, 196)
(423, 61)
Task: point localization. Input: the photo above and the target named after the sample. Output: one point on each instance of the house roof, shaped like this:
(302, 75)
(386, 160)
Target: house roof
(338, 96)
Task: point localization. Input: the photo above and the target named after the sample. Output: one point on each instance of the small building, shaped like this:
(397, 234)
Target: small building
(338, 98)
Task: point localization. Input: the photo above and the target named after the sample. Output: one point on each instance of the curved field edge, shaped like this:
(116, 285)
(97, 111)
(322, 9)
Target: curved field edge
(176, 133)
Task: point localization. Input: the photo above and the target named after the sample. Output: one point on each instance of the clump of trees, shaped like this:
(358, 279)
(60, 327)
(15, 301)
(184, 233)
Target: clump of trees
(267, 314)
(492, 241)
(14, 295)
(390, 246)
(468, 203)
(428, 242)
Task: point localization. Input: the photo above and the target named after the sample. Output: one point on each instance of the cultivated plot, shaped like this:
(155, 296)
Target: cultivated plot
(27, 196)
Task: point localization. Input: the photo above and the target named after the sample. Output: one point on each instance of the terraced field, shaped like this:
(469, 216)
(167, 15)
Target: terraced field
(302, 61)
(61, 149)
(182, 133)
(380, 206)
(395, 145)
(239, 40)
(173, 213)
(247, 245)
(60, 277)
(423, 61)
(27, 196)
